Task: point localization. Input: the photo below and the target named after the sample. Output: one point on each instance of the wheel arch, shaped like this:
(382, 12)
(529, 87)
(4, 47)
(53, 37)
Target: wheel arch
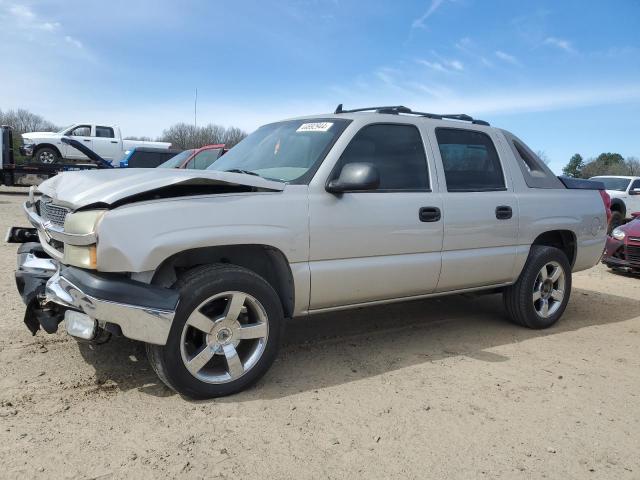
(40, 146)
(564, 240)
(618, 205)
(265, 260)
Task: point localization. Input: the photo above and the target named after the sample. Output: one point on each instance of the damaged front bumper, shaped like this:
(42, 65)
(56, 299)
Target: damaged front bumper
(91, 301)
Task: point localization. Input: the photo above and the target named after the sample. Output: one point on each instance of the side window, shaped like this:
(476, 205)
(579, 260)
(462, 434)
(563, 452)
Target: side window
(81, 131)
(470, 161)
(104, 132)
(204, 159)
(635, 185)
(397, 152)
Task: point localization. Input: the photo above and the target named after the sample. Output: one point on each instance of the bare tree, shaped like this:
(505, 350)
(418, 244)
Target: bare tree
(184, 136)
(542, 155)
(23, 121)
(633, 163)
(233, 136)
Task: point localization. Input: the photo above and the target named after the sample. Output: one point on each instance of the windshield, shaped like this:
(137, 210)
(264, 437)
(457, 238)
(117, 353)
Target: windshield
(175, 162)
(282, 151)
(65, 129)
(613, 183)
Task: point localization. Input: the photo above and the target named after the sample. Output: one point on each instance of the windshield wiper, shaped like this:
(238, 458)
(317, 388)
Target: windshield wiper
(237, 170)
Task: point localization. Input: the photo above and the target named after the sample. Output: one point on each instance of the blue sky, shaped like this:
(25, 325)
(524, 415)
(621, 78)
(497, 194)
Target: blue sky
(564, 76)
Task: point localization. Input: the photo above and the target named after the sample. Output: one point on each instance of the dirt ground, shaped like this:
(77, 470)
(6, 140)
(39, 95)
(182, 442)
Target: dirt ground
(441, 388)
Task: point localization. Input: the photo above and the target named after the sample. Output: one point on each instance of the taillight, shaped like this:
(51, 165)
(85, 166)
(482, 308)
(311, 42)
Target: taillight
(606, 199)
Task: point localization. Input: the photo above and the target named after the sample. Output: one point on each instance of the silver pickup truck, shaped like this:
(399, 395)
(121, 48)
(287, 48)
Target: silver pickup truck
(306, 215)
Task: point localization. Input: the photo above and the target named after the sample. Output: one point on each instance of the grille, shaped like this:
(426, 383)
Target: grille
(633, 253)
(53, 213)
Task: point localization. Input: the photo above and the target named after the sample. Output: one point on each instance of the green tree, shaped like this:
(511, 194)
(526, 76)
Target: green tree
(605, 164)
(574, 167)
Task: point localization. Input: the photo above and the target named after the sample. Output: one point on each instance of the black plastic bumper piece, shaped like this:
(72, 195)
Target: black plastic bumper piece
(115, 288)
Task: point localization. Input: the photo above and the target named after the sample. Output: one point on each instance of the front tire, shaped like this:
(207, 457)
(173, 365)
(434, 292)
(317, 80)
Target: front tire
(47, 156)
(539, 297)
(225, 334)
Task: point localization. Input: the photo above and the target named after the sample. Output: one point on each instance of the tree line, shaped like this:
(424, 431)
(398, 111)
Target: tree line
(603, 164)
(181, 135)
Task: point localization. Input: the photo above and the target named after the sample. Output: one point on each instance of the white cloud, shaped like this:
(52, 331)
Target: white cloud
(560, 43)
(443, 65)
(437, 66)
(505, 57)
(420, 21)
(22, 12)
(468, 47)
(50, 26)
(76, 43)
(456, 65)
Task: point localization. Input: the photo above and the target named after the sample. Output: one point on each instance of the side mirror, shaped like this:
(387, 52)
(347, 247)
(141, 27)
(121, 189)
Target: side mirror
(634, 191)
(355, 177)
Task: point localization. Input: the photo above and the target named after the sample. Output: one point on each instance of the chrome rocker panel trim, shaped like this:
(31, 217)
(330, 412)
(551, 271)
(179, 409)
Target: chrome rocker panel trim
(136, 322)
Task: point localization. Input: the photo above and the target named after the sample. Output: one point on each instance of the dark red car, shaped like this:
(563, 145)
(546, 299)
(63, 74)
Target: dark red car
(622, 251)
(197, 158)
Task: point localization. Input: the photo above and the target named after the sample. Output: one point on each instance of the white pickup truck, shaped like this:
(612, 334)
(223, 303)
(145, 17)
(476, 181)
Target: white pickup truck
(105, 140)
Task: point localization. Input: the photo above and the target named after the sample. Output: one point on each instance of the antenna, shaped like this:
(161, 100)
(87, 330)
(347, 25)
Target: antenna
(195, 110)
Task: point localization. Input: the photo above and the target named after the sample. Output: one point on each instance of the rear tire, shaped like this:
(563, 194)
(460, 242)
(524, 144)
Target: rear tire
(225, 334)
(539, 297)
(617, 219)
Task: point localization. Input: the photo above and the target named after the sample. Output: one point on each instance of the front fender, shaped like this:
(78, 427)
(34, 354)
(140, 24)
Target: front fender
(139, 237)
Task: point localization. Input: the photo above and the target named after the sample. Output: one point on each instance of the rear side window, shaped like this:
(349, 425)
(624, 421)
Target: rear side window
(470, 161)
(104, 132)
(397, 152)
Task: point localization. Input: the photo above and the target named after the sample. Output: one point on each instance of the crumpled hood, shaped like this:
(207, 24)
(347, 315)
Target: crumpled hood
(80, 188)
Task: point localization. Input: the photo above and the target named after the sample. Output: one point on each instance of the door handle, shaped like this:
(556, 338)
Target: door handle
(429, 214)
(114, 141)
(504, 212)
(85, 140)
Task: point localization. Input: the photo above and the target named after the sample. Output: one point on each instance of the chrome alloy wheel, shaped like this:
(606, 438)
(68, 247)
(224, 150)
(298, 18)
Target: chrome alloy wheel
(548, 289)
(224, 337)
(46, 157)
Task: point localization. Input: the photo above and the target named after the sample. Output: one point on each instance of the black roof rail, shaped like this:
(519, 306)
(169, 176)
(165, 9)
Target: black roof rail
(397, 109)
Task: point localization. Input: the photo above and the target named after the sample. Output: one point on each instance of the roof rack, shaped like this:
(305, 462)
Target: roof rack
(397, 109)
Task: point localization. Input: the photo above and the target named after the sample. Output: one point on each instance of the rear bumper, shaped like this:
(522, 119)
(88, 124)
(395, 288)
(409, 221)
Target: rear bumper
(143, 312)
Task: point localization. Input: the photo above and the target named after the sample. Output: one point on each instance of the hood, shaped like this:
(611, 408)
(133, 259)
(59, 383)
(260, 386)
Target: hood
(40, 135)
(124, 185)
(632, 228)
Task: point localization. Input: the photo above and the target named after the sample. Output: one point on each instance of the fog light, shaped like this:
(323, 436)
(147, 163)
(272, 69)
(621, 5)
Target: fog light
(79, 325)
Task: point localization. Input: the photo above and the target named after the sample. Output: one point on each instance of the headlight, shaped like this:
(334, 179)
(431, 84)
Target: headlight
(82, 223)
(27, 141)
(618, 233)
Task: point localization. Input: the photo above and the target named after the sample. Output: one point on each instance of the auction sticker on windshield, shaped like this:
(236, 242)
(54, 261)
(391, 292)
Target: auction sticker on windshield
(315, 127)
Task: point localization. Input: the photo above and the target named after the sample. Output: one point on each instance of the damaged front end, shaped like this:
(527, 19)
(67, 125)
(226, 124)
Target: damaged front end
(35, 268)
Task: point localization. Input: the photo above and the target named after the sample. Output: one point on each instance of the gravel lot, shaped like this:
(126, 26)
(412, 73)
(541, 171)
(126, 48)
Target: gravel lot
(442, 388)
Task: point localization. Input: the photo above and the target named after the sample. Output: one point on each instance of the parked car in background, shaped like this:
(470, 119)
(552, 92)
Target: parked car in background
(622, 251)
(147, 157)
(625, 197)
(197, 158)
(304, 216)
(105, 140)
